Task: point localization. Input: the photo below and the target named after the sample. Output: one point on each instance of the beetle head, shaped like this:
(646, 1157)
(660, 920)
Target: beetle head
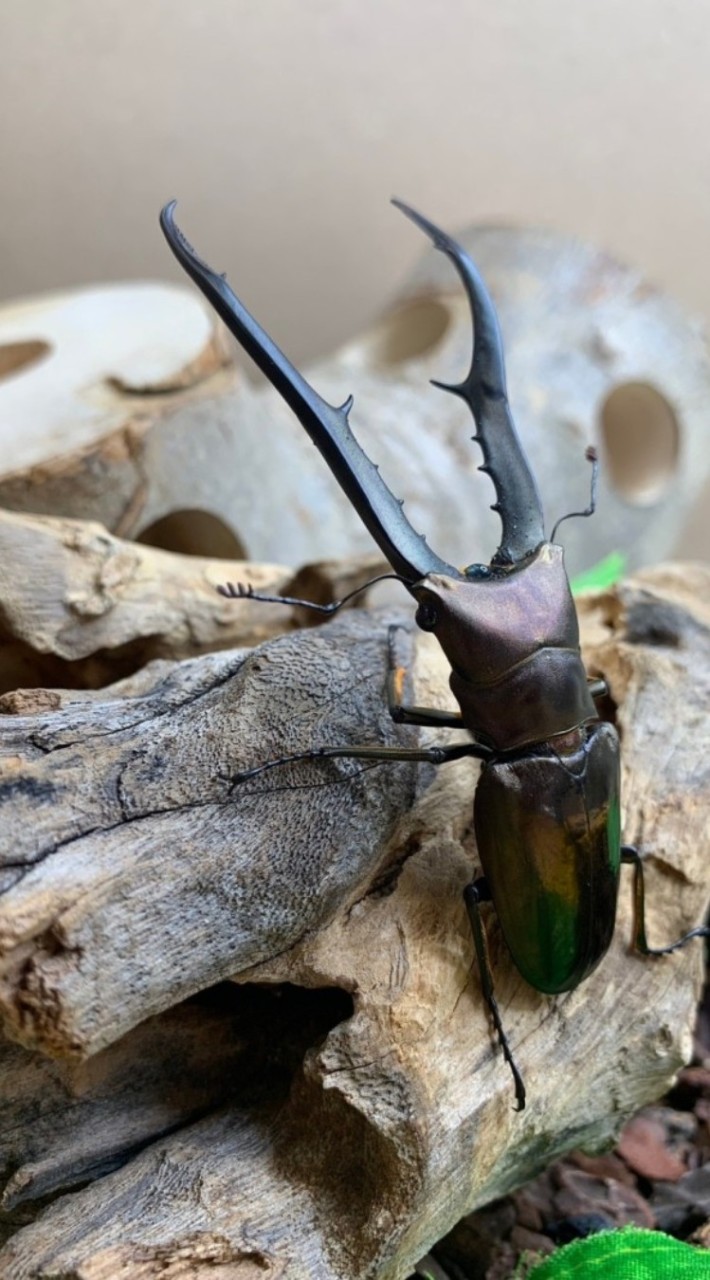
(488, 623)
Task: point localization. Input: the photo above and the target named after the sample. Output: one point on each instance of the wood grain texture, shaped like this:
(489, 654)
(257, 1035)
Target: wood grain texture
(137, 874)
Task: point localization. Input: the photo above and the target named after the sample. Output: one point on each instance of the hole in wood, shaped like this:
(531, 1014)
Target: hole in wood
(277, 1023)
(194, 533)
(228, 1045)
(21, 667)
(17, 356)
(642, 441)
(413, 330)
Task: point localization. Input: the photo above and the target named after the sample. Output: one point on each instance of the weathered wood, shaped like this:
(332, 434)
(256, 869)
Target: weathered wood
(81, 607)
(135, 874)
(400, 1120)
(67, 1123)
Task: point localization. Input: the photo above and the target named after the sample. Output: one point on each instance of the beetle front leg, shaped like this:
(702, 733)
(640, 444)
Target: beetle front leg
(425, 717)
(474, 894)
(633, 858)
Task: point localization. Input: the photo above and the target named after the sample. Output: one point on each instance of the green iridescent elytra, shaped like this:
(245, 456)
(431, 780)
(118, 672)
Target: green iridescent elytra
(548, 830)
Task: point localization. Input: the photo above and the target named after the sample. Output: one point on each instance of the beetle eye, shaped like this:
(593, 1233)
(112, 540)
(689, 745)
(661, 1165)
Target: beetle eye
(427, 616)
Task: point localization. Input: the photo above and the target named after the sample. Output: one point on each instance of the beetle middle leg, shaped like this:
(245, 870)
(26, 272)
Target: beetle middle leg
(632, 857)
(421, 755)
(474, 894)
(430, 717)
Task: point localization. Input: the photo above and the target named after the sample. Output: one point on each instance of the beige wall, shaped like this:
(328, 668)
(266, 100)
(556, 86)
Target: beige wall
(284, 125)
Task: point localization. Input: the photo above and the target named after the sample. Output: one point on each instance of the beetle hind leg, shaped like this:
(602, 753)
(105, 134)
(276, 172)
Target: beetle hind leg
(474, 894)
(632, 857)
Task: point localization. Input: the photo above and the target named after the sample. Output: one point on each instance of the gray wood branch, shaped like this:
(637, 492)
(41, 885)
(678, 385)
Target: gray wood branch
(134, 873)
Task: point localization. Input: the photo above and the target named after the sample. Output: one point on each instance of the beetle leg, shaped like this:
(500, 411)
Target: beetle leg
(427, 717)
(597, 686)
(245, 591)
(474, 894)
(632, 856)
(423, 755)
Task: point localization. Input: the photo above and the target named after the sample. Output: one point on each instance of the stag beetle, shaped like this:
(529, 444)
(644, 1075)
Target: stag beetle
(547, 807)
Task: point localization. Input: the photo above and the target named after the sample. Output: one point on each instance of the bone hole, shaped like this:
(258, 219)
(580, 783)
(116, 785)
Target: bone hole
(15, 356)
(641, 436)
(194, 533)
(413, 330)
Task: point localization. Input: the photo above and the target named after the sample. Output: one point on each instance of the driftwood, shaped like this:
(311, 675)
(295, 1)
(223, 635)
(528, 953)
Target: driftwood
(80, 608)
(125, 406)
(113, 797)
(335, 1108)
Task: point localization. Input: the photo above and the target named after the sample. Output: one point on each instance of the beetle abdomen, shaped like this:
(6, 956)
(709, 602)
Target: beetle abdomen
(549, 837)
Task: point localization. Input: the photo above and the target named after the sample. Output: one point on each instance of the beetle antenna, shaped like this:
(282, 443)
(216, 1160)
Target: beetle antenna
(245, 591)
(591, 456)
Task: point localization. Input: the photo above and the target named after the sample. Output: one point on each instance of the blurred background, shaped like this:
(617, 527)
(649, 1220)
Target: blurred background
(283, 128)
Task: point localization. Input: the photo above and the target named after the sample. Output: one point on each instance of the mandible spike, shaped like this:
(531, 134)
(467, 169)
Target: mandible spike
(484, 390)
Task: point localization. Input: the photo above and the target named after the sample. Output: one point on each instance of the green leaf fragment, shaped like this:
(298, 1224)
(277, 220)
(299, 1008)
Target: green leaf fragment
(629, 1254)
(601, 575)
